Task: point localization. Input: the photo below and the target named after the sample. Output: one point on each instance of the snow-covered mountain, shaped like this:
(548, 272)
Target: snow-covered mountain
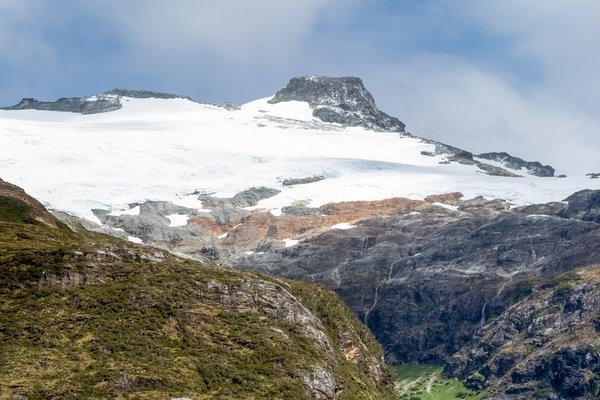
(151, 146)
(431, 246)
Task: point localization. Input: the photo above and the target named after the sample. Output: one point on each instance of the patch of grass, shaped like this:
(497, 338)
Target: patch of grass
(16, 211)
(413, 372)
(425, 382)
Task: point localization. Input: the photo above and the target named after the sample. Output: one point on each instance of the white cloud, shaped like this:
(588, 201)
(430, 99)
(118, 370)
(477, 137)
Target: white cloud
(563, 38)
(21, 41)
(534, 94)
(446, 99)
(260, 32)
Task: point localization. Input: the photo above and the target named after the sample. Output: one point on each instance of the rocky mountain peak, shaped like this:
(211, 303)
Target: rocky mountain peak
(90, 105)
(343, 100)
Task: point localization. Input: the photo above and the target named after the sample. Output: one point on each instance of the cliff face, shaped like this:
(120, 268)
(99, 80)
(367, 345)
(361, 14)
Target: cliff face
(84, 315)
(543, 346)
(491, 292)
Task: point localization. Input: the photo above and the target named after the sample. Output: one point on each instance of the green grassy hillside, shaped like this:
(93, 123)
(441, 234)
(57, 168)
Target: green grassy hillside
(426, 382)
(84, 315)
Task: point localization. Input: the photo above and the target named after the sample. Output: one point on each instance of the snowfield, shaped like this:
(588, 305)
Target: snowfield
(157, 149)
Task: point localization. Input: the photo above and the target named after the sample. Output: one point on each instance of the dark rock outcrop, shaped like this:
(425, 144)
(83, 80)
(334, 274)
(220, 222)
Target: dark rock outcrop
(454, 154)
(105, 102)
(532, 167)
(302, 181)
(553, 208)
(94, 105)
(247, 198)
(343, 101)
(583, 205)
(145, 94)
(543, 346)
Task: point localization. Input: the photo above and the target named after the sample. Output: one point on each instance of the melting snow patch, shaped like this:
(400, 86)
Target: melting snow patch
(290, 242)
(343, 225)
(132, 211)
(276, 212)
(446, 206)
(178, 220)
(248, 253)
(223, 236)
(134, 239)
(190, 201)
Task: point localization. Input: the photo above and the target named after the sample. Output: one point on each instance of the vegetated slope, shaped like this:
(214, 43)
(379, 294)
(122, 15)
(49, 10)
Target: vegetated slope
(85, 315)
(430, 278)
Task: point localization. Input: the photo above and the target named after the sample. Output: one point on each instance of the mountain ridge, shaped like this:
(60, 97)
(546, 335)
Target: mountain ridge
(338, 100)
(104, 102)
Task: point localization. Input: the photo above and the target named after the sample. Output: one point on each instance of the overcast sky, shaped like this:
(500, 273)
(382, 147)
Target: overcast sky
(485, 75)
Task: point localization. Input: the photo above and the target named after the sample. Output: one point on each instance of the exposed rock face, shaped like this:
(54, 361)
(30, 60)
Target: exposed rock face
(421, 281)
(94, 105)
(105, 102)
(532, 167)
(302, 181)
(152, 225)
(454, 154)
(544, 346)
(145, 94)
(339, 100)
(247, 198)
(583, 205)
(554, 208)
